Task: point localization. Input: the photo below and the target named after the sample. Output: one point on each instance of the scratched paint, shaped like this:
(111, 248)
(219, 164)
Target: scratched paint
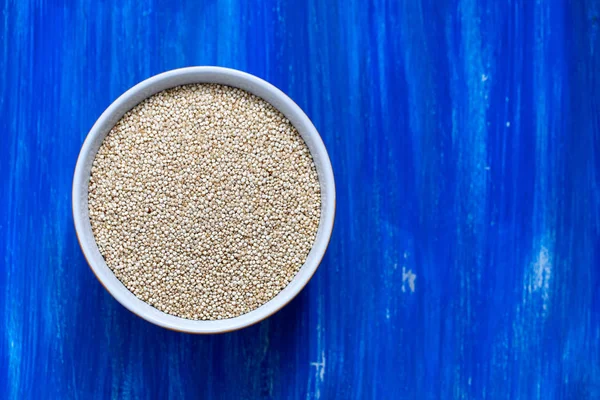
(465, 140)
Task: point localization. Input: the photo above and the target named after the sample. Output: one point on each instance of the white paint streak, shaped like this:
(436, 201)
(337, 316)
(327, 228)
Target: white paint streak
(541, 273)
(320, 367)
(408, 277)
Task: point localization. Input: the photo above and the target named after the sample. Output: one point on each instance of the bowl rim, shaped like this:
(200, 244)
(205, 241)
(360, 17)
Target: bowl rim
(145, 89)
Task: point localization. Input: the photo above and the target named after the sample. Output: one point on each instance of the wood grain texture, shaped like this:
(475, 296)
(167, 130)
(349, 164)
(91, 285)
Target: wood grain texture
(465, 139)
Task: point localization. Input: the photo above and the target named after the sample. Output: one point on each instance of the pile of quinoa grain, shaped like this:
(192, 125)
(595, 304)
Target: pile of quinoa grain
(204, 201)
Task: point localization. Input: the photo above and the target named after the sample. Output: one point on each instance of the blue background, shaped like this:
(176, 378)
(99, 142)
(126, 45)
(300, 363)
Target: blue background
(465, 140)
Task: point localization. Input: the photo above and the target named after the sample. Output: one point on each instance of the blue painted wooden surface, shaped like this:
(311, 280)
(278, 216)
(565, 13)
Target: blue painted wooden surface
(465, 138)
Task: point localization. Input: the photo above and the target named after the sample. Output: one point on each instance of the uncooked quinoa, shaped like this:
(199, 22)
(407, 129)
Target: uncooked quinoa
(204, 201)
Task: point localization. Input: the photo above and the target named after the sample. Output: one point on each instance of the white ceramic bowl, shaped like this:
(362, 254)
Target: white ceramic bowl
(129, 100)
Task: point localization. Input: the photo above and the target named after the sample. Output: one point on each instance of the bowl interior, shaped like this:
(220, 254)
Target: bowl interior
(129, 100)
